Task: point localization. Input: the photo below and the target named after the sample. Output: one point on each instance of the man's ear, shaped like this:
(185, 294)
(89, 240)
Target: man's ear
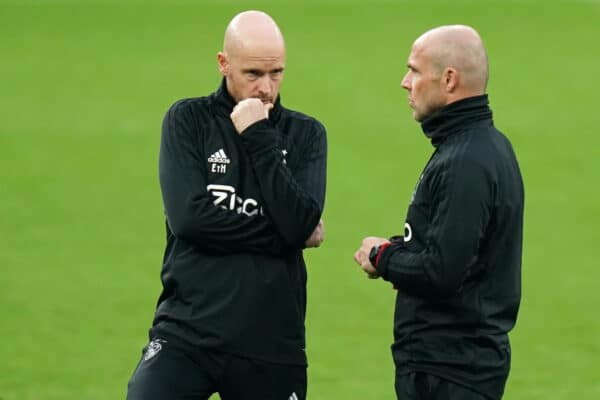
(451, 79)
(223, 63)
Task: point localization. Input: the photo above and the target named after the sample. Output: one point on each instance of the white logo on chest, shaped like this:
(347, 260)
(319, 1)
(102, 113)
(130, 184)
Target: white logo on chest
(226, 198)
(218, 162)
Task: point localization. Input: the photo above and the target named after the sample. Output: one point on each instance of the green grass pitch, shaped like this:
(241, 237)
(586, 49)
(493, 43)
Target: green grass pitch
(83, 89)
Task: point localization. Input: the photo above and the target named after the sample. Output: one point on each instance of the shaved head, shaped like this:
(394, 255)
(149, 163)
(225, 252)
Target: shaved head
(253, 57)
(249, 30)
(446, 64)
(459, 47)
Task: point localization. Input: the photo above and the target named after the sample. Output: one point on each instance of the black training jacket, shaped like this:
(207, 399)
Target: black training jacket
(239, 209)
(457, 267)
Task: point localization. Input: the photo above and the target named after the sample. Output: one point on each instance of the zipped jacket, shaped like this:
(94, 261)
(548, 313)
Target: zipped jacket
(239, 209)
(457, 267)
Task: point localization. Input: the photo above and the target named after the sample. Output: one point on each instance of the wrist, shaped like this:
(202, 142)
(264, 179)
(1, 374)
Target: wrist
(376, 252)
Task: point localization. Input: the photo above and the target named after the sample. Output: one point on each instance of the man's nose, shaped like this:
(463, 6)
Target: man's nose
(405, 82)
(264, 86)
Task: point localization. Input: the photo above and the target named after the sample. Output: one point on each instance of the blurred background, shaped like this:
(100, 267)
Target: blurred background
(83, 89)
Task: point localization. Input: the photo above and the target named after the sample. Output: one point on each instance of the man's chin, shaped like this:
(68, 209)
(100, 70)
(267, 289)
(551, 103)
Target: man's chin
(425, 114)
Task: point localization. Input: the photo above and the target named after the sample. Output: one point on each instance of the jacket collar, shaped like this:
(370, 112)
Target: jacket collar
(455, 117)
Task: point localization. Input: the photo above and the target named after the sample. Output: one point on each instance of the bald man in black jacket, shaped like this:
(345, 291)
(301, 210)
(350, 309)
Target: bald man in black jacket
(243, 186)
(457, 267)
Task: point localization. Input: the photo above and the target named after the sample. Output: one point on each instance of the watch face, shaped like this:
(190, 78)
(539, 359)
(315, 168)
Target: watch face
(373, 254)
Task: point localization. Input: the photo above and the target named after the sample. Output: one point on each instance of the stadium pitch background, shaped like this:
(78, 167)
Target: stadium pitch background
(83, 89)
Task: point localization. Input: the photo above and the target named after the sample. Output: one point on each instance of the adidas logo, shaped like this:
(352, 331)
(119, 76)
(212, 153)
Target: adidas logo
(218, 162)
(219, 157)
(293, 396)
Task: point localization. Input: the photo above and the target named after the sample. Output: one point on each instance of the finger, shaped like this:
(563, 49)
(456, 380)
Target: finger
(268, 108)
(357, 258)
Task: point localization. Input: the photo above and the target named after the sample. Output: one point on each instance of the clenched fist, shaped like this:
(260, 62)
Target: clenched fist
(317, 237)
(249, 111)
(361, 256)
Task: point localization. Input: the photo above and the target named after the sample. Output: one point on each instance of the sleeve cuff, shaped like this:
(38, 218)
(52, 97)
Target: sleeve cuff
(382, 248)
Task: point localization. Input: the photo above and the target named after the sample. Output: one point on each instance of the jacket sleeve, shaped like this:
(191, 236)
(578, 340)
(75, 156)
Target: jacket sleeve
(190, 212)
(294, 201)
(461, 195)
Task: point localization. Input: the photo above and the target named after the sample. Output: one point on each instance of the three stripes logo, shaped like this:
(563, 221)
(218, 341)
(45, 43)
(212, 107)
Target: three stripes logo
(218, 162)
(219, 157)
(293, 396)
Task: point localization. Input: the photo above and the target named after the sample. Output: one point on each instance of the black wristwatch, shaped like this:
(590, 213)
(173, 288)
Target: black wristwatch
(373, 254)
(375, 250)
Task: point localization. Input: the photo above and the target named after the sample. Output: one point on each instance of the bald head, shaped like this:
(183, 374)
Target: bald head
(253, 57)
(459, 47)
(252, 31)
(445, 65)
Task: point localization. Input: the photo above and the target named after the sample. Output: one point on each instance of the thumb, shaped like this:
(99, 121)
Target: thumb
(268, 107)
